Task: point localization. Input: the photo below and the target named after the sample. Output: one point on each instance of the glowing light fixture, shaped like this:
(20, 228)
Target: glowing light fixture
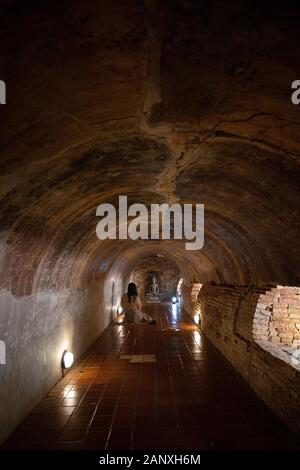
(67, 359)
(174, 300)
(119, 310)
(174, 311)
(197, 318)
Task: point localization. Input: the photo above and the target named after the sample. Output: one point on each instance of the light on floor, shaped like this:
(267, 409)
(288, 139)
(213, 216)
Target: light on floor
(174, 311)
(67, 359)
(197, 336)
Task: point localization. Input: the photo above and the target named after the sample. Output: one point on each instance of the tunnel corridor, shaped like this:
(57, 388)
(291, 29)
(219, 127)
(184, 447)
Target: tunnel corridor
(129, 392)
(181, 102)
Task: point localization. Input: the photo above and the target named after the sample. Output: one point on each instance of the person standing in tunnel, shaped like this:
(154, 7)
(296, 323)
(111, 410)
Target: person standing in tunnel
(132, 305)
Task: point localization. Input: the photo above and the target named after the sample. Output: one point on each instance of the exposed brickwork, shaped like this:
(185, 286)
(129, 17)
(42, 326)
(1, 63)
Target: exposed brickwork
(195, 291)
(277, 317)
(186, 297)
(237, 320)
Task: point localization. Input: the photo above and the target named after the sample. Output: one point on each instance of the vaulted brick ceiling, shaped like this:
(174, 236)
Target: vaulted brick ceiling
(180, 101)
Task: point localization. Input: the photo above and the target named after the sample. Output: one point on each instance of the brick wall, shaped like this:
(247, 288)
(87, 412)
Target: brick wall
(277, 317)
(195, 291)
(242, 323)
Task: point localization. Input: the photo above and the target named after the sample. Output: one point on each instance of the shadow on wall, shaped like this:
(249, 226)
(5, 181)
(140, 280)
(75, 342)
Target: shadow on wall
(257, 330)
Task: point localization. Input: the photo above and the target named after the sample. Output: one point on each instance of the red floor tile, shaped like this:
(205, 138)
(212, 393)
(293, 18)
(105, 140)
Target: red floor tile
(188, 399)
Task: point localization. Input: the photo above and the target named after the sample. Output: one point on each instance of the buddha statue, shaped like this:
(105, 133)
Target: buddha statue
(153, 287)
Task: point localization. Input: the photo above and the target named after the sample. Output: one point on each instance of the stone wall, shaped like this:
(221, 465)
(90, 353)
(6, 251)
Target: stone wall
(37, 328)
(231, 318)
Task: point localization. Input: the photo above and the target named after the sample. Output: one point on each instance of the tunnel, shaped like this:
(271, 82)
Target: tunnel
(185, 102)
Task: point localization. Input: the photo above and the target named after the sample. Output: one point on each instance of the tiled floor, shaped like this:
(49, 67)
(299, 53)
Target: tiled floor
(189, 398)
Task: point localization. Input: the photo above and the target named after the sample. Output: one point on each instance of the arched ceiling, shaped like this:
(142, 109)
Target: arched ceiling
(170, 101)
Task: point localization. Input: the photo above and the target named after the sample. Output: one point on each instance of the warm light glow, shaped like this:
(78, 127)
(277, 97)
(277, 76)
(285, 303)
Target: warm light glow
(179, 286)
(174, 311)
(197, 336)
(197, 318)
(67, 359)
(119, 310)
